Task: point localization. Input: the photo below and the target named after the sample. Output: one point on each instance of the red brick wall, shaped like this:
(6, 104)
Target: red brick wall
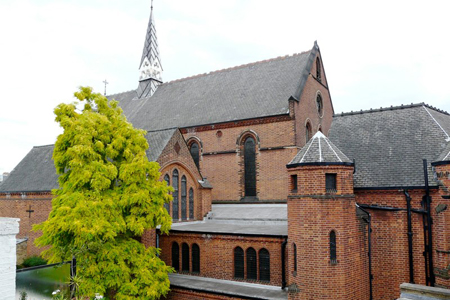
(183, 294)
(176, 155)
(15, 206)
(221, 158)
(312, 215)
(390, 264)
(306, 109)
(217, 253)
(441, 227)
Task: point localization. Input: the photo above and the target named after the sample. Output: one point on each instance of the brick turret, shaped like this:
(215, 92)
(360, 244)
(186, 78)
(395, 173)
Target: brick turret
(323, 227)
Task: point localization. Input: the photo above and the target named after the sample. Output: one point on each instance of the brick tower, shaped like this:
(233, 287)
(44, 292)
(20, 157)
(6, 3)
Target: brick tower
(327, 250)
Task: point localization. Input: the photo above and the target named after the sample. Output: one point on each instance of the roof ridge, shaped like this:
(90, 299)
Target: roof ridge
(381, 109)
(42, 146)
(120, 93)
(238, 66)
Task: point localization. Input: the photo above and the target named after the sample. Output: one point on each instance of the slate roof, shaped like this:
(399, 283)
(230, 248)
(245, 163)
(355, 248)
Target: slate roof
(35, 173)
(231, 288)
(319, 150)
(389, 144)
(249, 91)
(157, 141)
(445, 155)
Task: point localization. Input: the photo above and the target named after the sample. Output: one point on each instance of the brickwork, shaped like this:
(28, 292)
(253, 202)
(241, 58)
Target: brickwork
(441, 229)
(221, 159)
(306, 108)
(176, 155)
(312, 216)
(217, 253)
(16, 205)
(183, 294)
(390, 260)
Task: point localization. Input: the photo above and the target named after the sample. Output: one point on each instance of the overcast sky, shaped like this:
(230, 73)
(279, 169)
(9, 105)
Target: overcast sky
(375, 54)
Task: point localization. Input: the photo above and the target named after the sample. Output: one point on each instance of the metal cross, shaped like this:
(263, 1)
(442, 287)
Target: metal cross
(29, 211)
(105, 82)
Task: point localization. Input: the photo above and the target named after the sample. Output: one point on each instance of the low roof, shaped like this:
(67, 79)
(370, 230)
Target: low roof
(157, 141)
(222, 228)
(240, 219)
(389, 144)
(36, 172)
(254, 90)
(227, 287)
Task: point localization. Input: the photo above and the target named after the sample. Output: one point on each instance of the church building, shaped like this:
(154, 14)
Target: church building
(275, 196)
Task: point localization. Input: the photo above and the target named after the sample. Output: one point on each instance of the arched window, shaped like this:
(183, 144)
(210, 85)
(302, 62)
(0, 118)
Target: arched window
(318, 70)
(333, 258)
(295, 257)
(308, 132)
(183, 198)
(195, 152)
(195, 258)
(319, 104)
(251, 264)
(264, 265)
(191, 204)
(185, 257)
(175, 195)
(166, 205)
(239, 263)
(176, 256)
(250, 166)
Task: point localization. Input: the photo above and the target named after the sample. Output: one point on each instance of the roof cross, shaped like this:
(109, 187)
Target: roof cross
(105, 82)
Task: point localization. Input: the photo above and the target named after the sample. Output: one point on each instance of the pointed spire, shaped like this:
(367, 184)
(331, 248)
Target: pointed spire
(150, 69)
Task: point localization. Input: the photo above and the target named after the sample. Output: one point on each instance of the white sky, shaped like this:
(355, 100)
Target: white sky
(376, 53)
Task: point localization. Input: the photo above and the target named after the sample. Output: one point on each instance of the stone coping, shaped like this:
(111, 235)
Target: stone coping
(9, 226)
(421, 292)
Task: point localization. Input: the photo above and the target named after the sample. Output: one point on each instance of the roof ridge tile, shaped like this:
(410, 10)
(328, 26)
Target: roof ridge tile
(238, 66)
(381, 109)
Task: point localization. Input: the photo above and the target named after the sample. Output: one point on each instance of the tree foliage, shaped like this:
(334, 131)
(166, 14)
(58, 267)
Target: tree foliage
(109, 194)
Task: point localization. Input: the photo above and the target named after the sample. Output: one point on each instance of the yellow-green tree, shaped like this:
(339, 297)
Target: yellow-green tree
(109, 194)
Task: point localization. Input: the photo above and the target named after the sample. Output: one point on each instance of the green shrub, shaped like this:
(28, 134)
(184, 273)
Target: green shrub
(23, 295)
(33, 261)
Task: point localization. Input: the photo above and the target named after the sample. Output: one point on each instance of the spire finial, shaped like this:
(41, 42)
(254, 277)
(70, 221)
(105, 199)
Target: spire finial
(150, 69)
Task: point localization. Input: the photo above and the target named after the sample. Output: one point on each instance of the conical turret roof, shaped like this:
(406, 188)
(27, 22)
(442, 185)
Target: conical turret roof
(319, 151)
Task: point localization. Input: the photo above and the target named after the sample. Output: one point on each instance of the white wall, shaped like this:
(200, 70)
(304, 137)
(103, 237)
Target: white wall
(9, 227)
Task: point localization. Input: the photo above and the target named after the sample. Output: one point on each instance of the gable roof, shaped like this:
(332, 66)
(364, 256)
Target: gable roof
(35, 173)
(157, 141)
(389, 144)
(319, 150)
(249, 91)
